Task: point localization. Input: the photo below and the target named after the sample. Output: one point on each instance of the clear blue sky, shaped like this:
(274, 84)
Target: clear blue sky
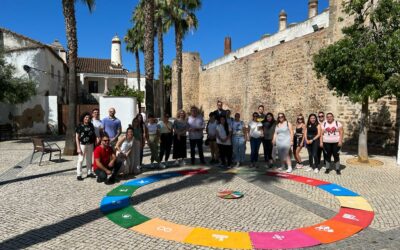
(245, 21)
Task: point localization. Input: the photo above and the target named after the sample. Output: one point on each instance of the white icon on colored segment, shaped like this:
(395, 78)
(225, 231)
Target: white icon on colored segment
(325, 229)
(126, 216)
(350, 217)
(116, 202)
(336, 189)
(123, 190)
(220, 237)
(278, 237)
(142, 182)
(309, 181)
(164, 229)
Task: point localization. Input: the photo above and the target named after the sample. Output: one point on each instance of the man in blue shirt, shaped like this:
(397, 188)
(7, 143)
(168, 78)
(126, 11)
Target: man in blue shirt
(112, 126)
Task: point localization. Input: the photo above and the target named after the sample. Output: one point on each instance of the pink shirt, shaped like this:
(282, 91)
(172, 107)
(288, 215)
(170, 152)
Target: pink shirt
(331, 131)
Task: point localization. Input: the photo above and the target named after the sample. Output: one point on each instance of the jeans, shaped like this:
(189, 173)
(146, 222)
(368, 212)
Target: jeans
(267, 145)
(199, 144)
(165, 145)
(332, 149)
(153, 145)
(239, 148)
(225, 153)
(313, 158)
(102, 176)
(255, 147)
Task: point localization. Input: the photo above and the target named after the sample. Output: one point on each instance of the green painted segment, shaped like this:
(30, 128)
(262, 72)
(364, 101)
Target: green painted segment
(127, 217)
(123, 191)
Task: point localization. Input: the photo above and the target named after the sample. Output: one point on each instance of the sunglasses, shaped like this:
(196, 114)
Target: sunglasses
(321, 116)
(106, 140)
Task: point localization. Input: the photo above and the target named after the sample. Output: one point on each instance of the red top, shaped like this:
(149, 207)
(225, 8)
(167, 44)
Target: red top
(104, 154)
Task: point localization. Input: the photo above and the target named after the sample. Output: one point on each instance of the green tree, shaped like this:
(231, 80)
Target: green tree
(182, 17)
(134, 44)
(14, 89)
(123, 90)
(72, 44)
(365, 64)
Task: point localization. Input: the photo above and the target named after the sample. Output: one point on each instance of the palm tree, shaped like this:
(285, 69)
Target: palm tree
(148, 13)
(182, 16)
(134, 44)
(72, 44)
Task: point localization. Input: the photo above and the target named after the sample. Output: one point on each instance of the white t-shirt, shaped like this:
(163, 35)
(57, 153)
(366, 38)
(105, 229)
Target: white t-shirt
(196, 123)
(331, 132)
(256, 129)
(97, 125)
(212, 129)
(222, 134)
(237, 128)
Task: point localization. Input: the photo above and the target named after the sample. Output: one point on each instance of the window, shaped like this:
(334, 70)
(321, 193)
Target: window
(93, 87)
(52, 71)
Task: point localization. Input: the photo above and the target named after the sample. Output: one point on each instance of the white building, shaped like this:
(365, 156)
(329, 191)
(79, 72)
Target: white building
(45, 65)
(97, 76)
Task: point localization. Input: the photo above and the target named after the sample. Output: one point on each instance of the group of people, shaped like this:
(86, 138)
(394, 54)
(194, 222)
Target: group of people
(320, 134)
(108, 153)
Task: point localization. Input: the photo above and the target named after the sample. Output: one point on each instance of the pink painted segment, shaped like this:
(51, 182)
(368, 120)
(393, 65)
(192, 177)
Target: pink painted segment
(280, 240)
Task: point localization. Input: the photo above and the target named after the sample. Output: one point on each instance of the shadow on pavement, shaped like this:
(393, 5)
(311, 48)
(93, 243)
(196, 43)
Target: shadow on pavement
(26, 178)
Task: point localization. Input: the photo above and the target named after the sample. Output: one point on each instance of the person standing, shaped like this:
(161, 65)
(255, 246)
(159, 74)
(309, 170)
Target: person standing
(219, 111)
(153, 139)
(239, 140)
(332, 138)
(98, 126)
(124, 152)
(269, 125)
(261, 115)
(298, 140)
(255, 134)
(224, 142)
(142, 127)
(196, 126)
(105, 162)
(112, 126)
(180, 128)
(312, 134)
(321, 120)
(137, 145)
(85, 139)
(211, 130)
(165, 138)
(283, 139)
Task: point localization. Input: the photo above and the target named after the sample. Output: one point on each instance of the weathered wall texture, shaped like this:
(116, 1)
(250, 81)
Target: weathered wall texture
(282, 79)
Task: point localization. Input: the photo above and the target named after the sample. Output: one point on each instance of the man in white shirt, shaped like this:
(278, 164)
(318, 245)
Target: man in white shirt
(196, 126)
(98, 126)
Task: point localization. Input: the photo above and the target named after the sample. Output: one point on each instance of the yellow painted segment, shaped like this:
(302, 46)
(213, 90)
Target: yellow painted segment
(216, 238)
(356, 202)
(163, 229)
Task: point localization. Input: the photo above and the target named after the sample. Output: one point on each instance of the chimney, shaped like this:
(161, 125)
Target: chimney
(282, 20)
(312, 8)
(227, 45)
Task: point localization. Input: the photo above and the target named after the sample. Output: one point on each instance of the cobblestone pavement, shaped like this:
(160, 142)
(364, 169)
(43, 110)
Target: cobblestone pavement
(44, 207)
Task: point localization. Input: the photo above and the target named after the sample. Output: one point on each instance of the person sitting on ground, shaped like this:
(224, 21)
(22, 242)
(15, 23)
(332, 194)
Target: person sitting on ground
(105, 162)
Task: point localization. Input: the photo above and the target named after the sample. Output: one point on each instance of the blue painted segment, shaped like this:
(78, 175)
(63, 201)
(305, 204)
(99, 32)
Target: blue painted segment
(112, 203)
(337, 190)
(151, 179)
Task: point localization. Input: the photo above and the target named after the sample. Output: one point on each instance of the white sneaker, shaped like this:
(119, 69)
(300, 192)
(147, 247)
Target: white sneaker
(281, 169)
(289, 170)
(308, 169)
(161, 165)
(316, 171)
(237, 164)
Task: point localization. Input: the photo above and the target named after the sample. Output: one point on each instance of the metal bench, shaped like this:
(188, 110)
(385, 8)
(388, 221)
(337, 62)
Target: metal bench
(40, 145)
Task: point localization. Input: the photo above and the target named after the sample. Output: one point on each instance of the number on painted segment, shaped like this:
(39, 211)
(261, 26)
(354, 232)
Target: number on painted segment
(220, 237)
(164, 229)
(325, 229)
(278, 237)
(126, 216)
(336, 189)
(350, 217)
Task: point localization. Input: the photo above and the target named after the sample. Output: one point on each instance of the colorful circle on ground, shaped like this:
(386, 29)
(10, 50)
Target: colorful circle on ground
(354, 215)
(229, 194)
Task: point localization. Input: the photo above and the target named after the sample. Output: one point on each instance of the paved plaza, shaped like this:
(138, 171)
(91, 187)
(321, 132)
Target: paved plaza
(45, 207)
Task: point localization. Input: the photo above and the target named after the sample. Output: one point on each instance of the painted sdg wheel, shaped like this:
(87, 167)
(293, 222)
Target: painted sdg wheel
(354, 215)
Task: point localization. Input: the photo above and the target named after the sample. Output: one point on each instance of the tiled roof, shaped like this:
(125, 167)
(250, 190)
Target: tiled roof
(96, 65)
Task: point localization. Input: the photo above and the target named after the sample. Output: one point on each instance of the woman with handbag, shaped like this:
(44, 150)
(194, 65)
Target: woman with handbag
(211, 140)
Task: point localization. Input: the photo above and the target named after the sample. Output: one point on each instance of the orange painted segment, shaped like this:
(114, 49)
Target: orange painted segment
(163, 229)
(217, 238)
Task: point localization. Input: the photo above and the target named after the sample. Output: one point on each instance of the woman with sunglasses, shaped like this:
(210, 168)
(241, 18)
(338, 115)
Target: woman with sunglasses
(255, 133)
(165, 138)
(283, 139)
(180, 127)
(85, 138)
(269, 124)
(312, 134)
(298, 139)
